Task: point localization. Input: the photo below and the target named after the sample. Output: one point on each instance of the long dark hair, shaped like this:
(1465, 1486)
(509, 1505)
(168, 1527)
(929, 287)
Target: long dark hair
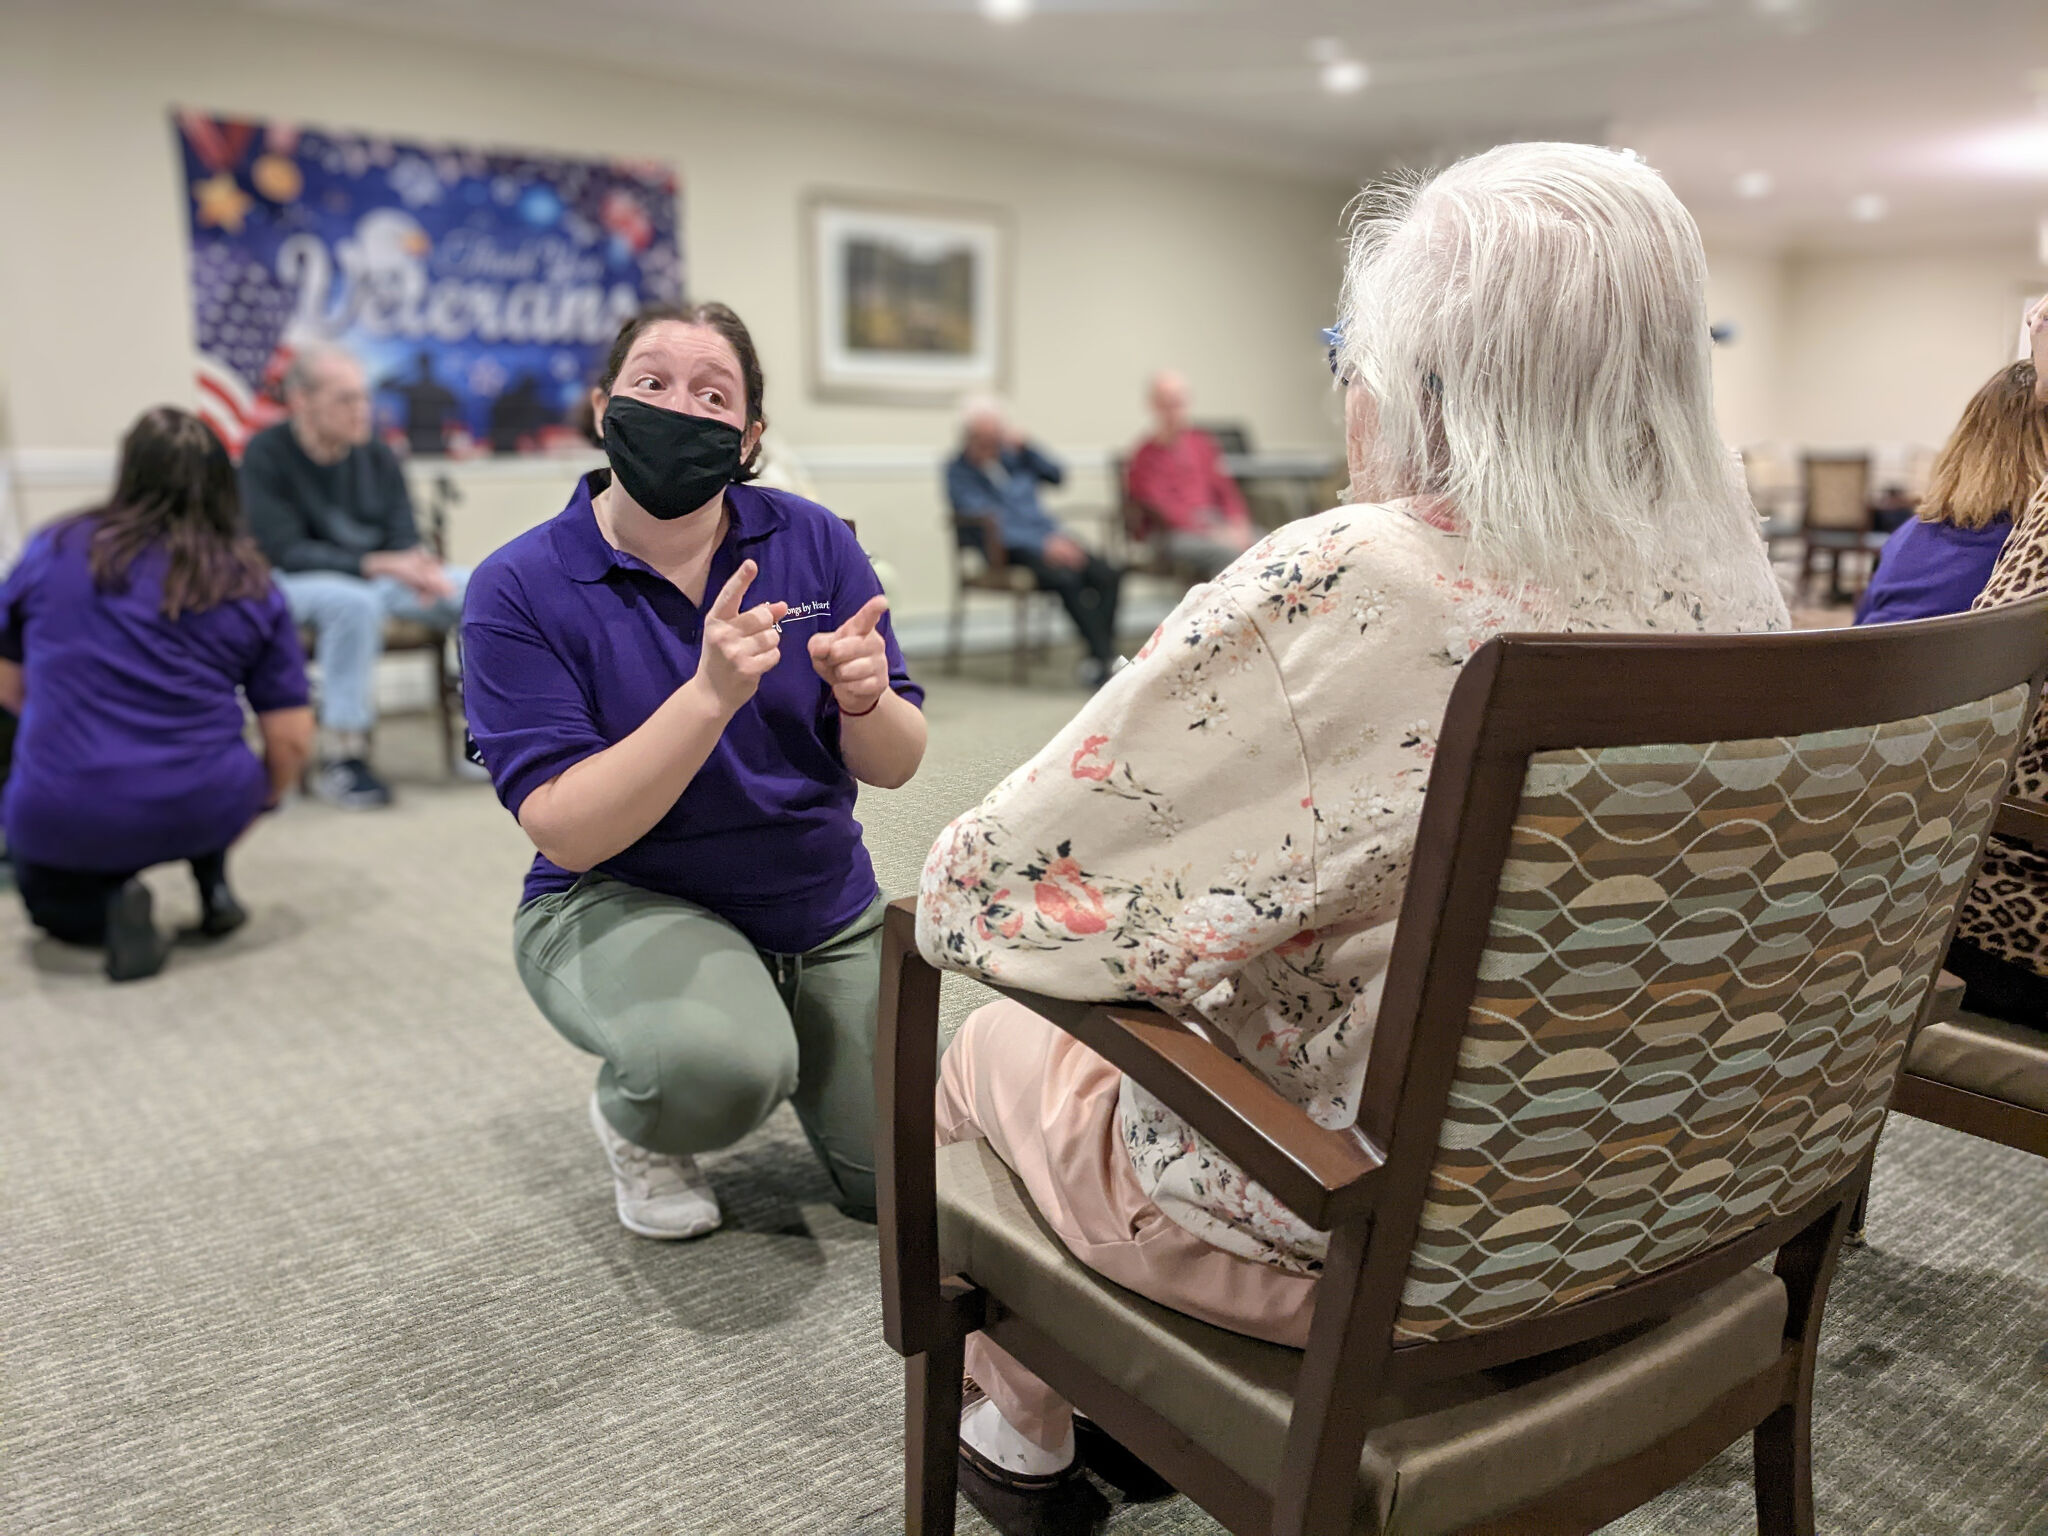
(176, 488)
(713, 316)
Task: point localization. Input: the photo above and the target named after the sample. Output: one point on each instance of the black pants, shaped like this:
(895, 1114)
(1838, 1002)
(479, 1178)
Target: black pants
(1089, 595)
(71, 904)
(1998, 987)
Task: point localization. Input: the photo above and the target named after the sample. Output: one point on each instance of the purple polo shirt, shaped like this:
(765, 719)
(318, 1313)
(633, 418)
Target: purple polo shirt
(131, 749)
(569, 645)
(1931, 569)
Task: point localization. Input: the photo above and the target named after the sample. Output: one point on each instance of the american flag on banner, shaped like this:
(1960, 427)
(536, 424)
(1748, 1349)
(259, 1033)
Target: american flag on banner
(240, 313)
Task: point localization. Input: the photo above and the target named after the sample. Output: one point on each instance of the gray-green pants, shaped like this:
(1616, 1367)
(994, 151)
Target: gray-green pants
(702, 1035)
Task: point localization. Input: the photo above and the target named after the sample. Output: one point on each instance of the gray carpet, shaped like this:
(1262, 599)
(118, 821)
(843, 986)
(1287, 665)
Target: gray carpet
(310, 1235)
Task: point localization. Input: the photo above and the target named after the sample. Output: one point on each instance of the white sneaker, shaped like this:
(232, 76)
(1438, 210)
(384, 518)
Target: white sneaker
(658, 1195)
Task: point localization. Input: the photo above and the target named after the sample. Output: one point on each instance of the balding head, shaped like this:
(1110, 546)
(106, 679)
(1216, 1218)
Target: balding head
(1170, 402)
(329, 399)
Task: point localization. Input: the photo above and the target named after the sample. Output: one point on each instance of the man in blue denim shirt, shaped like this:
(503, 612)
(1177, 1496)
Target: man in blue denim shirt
(997, 475)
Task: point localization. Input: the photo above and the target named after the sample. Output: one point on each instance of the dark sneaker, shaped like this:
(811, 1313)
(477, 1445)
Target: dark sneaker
(134, 947)
(350, 785)
(1063, 1504)
(1109, 1459)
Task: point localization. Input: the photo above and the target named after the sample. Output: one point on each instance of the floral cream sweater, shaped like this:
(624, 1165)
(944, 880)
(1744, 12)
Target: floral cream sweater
(1225, 829)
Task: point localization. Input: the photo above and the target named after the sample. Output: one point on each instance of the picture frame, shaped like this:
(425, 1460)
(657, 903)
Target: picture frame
(907, 300)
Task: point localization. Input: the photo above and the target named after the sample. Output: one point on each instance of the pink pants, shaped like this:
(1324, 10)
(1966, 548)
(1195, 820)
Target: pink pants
(1048, 1106)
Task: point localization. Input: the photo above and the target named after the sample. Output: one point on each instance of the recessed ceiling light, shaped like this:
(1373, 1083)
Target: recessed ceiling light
(1342, 77)
(1754, 184)
(1326, 50)
(1868, 208)
(1006, 10)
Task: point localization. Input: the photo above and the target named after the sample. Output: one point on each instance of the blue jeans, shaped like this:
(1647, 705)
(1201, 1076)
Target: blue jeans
(347, 614)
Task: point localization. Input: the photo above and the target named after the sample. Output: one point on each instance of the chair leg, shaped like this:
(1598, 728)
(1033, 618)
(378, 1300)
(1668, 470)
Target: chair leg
(931, 1438)
(1783, 1448)
(444, 707)
(1020, 647)
(1855, 1237)
(956, 623)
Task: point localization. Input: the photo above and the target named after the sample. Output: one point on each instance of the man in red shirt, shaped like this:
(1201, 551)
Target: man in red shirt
(1184, 497)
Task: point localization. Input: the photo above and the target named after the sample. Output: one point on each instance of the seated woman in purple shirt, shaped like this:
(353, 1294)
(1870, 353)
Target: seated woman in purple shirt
(701, 913)
(1990, 468)
(125, 635)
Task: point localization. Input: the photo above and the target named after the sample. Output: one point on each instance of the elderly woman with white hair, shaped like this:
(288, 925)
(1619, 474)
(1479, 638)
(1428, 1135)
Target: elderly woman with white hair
(1225, 830)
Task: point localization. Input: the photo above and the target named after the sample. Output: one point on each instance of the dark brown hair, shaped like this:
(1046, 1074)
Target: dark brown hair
(1996, 460)
(176, 488)
(714, 316)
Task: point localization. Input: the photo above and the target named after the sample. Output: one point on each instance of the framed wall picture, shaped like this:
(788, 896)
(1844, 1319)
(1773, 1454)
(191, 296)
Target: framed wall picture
(908, 301)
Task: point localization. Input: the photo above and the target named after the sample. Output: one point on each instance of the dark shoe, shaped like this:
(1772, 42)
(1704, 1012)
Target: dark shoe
(350, 785)
(1064, 1504)
(134, 948)
(1109, 1459)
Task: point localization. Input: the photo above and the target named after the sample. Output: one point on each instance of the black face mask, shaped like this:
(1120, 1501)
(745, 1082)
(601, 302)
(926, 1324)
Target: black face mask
(671, 464)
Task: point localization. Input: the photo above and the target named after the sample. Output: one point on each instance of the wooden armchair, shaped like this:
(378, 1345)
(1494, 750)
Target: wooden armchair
(1651, 986)
(1985, 1076)
(985, 567)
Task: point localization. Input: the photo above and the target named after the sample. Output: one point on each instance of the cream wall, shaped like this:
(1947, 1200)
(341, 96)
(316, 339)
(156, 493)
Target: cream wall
(1887, 349)
(1748, 292)
(1120, 264)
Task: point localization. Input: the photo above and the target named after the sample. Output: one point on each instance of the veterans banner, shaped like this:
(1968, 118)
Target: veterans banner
(478, 288)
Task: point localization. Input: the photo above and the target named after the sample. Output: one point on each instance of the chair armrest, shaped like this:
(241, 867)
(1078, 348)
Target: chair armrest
(915, 1309)
(2024, 821)
(1323, 1176)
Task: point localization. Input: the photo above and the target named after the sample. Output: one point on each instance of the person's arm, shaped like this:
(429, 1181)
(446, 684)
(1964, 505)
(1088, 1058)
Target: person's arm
(973, 498)
(881, 728)
(280, 525)
(14, 600)
(529, 714)
(1158, 844)
(969, 493)
(274, 683)
(1040, 464)
(401, 527)
(287, 747)
(1142, 484)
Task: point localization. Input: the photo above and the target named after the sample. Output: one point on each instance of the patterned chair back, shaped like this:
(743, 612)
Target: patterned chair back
(1703, 965)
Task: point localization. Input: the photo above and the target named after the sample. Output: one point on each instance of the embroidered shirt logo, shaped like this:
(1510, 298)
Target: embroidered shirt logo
(799, 612)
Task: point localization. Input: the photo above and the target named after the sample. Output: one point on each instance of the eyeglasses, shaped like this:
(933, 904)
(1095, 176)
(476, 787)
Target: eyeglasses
(1333, 338)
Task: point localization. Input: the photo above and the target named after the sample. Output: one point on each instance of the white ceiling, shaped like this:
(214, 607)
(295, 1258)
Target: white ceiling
(1940, 107)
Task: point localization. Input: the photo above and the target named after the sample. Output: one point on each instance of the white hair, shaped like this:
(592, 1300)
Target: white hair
(302, 373)
(1532, 326)
(982, 407)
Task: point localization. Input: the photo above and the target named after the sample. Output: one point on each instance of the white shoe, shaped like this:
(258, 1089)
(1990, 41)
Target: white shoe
(658, 1195)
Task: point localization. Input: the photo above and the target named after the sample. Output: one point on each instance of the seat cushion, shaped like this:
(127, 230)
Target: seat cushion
(1987, 1056)
(1437, 1458)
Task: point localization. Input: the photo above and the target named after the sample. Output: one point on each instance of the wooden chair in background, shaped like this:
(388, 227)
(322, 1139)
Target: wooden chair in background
(986, 567)
(1591, 1112)
(1837, 515)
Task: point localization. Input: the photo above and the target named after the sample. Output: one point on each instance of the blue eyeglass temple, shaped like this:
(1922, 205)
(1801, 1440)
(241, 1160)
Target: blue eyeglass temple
(1333, 338)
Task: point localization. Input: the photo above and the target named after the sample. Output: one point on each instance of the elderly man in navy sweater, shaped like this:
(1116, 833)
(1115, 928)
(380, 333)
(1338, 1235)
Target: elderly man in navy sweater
(997, 474)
